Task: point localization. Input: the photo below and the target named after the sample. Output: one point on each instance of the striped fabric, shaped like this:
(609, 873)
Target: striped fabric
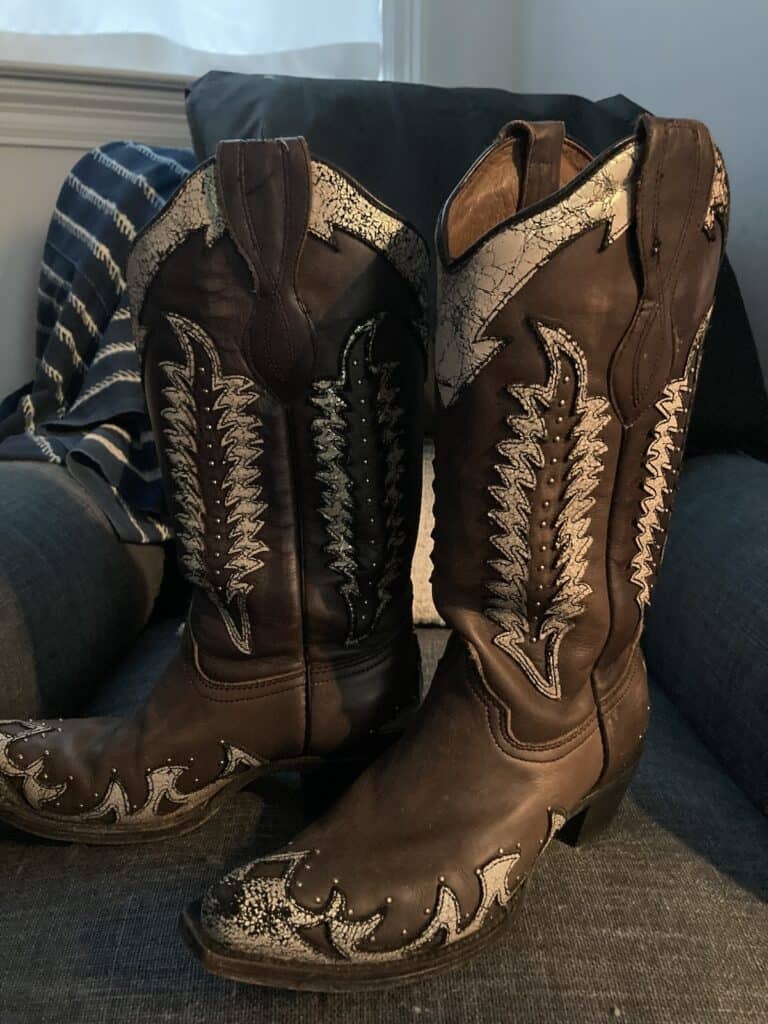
(85, 407)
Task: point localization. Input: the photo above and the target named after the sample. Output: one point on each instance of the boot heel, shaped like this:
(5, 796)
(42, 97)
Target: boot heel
(591, 821)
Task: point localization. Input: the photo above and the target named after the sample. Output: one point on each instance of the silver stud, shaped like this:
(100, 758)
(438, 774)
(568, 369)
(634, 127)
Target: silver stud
(540, 586)
(547, 503)
(70, 778)
(542, 567)
(350, 912)
(335, 881)
(561, 403)
(427, 910)
(543, 524)
(554, 460)
(551, 481)
(542, 547)
(299, 885)
(557, 438)
(192, 759)
(318, 900)
(47, 753)
(388, 899)
(501, 849)
(316, 851)
(566, 380)
(197, 780)
(559, 419)
(45, 776)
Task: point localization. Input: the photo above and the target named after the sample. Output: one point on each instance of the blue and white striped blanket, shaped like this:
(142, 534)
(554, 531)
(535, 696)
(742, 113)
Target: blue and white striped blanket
(85, 407)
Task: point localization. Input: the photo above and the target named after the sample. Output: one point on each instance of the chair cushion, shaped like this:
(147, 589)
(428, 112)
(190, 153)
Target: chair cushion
(660, 921)
(72, 596)
(706, 637)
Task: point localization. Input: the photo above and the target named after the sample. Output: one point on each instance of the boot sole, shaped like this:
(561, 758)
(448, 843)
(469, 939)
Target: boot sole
(588, 820)
(117, 835)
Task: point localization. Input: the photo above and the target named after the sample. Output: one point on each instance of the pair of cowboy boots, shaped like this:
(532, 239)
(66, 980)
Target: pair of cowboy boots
(282, 314)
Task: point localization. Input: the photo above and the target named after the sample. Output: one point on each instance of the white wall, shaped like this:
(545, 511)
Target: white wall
(47, 121)
(687, 58)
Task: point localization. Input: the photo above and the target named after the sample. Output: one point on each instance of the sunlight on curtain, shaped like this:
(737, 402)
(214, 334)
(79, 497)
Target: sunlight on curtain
(308, 37)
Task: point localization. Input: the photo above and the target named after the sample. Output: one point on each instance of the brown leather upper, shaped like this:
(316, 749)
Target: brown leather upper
(279, 310)
(568, 336)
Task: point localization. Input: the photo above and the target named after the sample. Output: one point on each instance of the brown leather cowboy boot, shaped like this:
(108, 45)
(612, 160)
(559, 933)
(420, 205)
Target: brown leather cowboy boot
(574, 299)
(280, 311)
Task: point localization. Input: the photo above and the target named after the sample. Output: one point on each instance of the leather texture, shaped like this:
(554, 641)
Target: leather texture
(568, 338)
(279, 309)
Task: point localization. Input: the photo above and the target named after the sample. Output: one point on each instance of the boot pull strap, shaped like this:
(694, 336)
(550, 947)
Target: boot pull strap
(543, 145)
(676, 166)
(265, 191)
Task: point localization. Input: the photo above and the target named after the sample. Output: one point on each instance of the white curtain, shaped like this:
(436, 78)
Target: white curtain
(339, 38)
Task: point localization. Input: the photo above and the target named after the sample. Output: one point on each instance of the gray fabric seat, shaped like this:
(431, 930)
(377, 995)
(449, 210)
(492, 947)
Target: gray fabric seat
(706, 637)
(662, 921)
(72, 597)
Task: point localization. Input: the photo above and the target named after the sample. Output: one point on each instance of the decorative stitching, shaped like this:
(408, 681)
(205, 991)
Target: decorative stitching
(665, 440)
(236, 428)
(523, 458)
(330, 432)
(162, 784)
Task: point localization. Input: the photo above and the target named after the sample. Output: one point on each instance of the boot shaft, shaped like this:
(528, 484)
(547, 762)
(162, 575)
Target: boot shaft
(573, 301)
(279, 310)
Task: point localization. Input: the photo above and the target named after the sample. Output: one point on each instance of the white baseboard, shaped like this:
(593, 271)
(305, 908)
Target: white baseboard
(69, 108)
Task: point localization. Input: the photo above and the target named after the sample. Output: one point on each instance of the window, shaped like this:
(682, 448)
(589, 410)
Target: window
(341, 38)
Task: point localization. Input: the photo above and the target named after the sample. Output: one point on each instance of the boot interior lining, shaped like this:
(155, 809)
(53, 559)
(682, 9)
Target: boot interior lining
(491, 192)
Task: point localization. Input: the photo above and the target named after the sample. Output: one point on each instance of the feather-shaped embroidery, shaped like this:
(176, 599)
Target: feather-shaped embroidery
(340, 498)
(664, 446)
(229, 404)
(523, 460)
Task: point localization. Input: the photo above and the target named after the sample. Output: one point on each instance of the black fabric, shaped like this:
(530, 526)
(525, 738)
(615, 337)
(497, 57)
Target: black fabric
(410, 144)
(662, 921)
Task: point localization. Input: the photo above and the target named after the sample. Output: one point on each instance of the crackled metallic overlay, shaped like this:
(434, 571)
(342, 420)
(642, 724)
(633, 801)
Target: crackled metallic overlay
(336, 203)
(43, 794)
(523, 459)
(255, 913)
(472, 294)
(195, 206)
